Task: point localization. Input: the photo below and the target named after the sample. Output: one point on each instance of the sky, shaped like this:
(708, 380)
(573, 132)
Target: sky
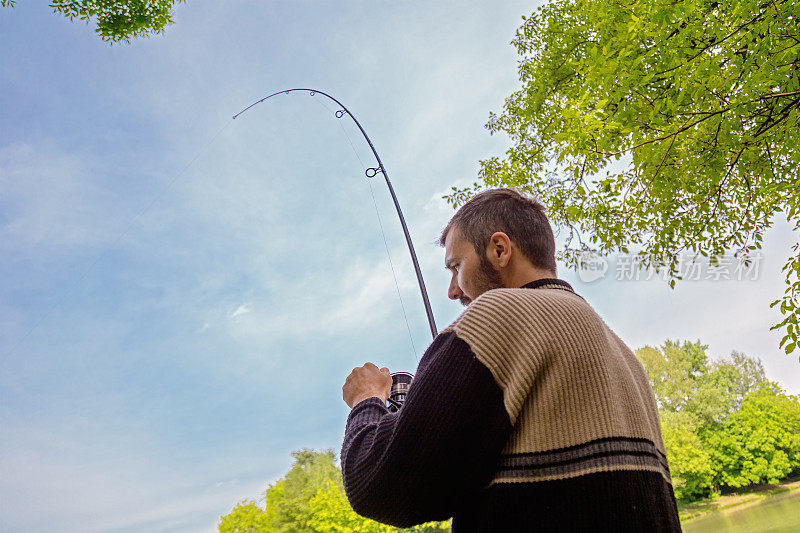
(184, 294)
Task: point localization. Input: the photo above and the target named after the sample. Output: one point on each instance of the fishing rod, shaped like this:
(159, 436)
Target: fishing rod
(400, 380)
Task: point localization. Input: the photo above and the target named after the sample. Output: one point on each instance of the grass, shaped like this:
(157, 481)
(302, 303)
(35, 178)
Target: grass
(746, 498)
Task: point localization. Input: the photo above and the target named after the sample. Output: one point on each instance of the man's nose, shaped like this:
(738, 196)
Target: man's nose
(454, 292)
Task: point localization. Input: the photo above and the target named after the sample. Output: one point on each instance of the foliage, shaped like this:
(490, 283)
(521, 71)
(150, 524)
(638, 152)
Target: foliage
(760, 443)
(658, 126)
(246, 517)
(744, 373)
(684, 379)
(690, 464)
(288, 499)
(331, 513)
(310, 498)
(116, 21)
(725, 426)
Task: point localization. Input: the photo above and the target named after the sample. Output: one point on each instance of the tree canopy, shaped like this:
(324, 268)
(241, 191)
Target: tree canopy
(116, 20)
(685, 379)
(725, 425)
(661, 128)
(309, 498)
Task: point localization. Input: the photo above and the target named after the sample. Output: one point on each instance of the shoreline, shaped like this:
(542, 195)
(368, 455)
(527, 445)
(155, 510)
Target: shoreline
(735, 500)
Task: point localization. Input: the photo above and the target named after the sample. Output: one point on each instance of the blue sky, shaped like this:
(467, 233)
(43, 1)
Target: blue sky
(184, 294)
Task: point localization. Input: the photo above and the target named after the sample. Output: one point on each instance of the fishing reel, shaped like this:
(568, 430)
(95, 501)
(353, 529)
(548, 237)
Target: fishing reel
(397, 395)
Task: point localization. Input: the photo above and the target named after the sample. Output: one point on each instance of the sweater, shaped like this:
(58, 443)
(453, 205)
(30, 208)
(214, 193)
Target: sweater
(527, 413)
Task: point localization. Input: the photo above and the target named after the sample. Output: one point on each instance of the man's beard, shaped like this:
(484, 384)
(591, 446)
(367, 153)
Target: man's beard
(487, 278)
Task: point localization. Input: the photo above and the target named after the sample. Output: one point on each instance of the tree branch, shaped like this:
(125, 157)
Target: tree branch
(664, 137)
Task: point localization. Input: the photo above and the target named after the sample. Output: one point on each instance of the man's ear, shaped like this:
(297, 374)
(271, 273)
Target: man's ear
(499, 249)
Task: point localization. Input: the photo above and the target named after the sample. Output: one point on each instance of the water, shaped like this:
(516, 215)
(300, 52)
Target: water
(776, 514)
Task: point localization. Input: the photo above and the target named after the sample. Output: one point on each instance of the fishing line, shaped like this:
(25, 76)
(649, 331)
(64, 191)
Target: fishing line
(370, 172)
(113, 244)
(383, 234)
(402, 306)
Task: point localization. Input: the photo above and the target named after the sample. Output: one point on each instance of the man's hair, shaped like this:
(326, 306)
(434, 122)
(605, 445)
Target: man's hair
(520, 217)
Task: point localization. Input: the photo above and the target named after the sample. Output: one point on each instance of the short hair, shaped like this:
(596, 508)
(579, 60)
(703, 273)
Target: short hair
(520, 217)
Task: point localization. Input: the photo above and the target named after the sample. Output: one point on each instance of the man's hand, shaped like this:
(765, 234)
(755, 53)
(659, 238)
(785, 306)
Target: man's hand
(365, 382)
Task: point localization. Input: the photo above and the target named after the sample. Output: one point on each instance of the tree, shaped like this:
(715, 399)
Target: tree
(116, 20)
(675, 371)
(309, 498)
(246, 517)
(690, 464)
(331, 513)
(724, 424)
(666, 128)
(760, 442)
(684, 379)
(744, 375)
(288, 500)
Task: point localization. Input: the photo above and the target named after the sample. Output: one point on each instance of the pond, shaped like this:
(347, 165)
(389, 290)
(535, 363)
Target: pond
(777, 514)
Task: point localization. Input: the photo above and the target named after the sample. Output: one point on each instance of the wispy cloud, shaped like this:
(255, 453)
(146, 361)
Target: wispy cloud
(241, 310)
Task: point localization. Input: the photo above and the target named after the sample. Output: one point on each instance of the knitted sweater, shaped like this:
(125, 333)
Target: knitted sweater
(527, 413)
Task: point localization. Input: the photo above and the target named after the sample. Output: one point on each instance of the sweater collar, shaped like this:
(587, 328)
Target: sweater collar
(549, 283)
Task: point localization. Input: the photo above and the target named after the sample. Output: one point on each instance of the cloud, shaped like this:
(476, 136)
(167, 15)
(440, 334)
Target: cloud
(241, 310)
(350, 298)
(367, 295)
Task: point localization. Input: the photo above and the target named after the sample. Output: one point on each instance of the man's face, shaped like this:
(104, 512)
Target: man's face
(472, 275)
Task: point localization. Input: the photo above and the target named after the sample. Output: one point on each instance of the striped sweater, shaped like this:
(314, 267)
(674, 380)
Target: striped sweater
(527, 413)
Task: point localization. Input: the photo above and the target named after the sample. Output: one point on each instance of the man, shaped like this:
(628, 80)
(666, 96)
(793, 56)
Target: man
(527, 413)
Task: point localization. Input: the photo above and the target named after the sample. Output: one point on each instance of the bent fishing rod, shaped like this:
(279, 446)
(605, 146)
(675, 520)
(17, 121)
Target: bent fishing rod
(400, 380)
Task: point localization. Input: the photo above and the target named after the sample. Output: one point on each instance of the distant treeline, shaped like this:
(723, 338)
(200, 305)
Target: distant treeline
(725, 427)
